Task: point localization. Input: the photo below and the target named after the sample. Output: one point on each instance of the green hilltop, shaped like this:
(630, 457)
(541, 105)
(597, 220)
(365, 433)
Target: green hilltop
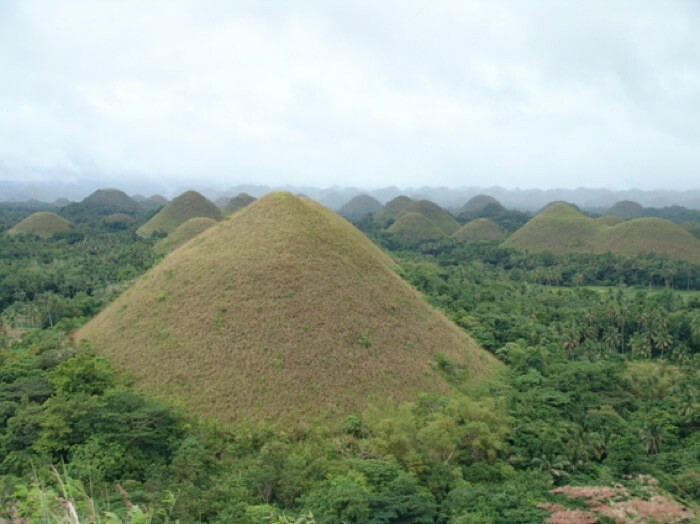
(188, 205)
(480, 229)
(43, 224)
(292, 315)
(563, 229)
(238, 202)
(102, 202)
(359, 206)
(477, 204)
(184, 233)
(392, 208)
(424, 220)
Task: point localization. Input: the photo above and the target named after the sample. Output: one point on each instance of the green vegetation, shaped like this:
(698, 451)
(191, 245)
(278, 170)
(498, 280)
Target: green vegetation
(480, 229)
(283, 294)
(594, 418)
(184, 233)
(101, 203)
(42, 224)
(238, 202)
(359, 206)
(188, 205)
(563, 229)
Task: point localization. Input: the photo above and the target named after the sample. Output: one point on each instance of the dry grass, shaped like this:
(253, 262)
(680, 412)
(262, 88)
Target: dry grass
(424, 220)
(282, 312)
(480, 229)
(184, 233)
(562, 229)
(43, 224)
(188, 205)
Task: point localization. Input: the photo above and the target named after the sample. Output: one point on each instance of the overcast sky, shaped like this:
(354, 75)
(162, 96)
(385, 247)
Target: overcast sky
(375, 93)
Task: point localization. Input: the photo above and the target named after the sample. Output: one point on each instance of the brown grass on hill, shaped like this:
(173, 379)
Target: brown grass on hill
(563, 229)
(480, 229)
(43, 224)
(188, 205)
(282, 312)
(184, 233)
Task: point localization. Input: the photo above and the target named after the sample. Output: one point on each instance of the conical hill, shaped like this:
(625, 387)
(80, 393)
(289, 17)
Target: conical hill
(480, 229)
(43, 224)
(562, 229)
(359, 206)
(283, 312)
(188, 205)
(184, 233)
(424, 220)
(238, 202)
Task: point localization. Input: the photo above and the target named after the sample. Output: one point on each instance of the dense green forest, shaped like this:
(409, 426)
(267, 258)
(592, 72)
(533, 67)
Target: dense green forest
(600, 391)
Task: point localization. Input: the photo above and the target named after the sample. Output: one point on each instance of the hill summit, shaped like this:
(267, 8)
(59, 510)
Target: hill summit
(188, 205)
(43, 224)
(359, 206)
(423, 220)
(283, 312)
(480, 229)
(563, 229)
(102, 202)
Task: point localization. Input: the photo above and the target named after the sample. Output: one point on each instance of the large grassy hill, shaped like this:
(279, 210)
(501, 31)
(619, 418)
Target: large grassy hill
(562, 229)
(424, 220)
(283, 312)
(42, 224)
(359, 206)
(480, 229)
(184, 233)
(188, 205)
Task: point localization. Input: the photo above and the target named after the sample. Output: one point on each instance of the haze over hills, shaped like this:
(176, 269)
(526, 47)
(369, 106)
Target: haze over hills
(562, 229)
(292, 314)
(595, 199)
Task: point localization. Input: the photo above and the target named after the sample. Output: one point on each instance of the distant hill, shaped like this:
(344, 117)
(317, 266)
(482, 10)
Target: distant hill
(480, 229)
(184, 233)
(477, 203)
(101, 203)
(154, 202)
(292, 315)
(119, 220)
(563, 229)
(188, 205)
(360, 206)
(238, 202)
(424, 220)
(626, 209)
(392, 208)
(43, 224)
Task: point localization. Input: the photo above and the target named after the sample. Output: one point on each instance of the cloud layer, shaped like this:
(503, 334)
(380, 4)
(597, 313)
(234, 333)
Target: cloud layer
(526, 94)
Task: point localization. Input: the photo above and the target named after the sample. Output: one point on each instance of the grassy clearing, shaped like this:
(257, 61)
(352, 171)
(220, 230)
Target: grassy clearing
(282, 312)
(563, 229)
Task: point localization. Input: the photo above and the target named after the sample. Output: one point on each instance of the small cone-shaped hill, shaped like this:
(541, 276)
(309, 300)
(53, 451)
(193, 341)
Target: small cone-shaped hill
(283, 312)
(563, 229)
(184, 232)
(392, 208)
(43, 224)
(154, 202)
(480, 229)
(359, 206)
(238, 202)
(626, 209)
(102, 202)
(435, 222)
(119, 219)
(477, 203)
(188, 205)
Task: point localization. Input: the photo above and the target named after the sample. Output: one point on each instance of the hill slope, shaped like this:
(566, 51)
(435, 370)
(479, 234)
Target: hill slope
(480, 229)
(392, 208)
(435, 222)
(183, 233)
(359, 206)
(238, 202)
(188, 205)
(291, 315)
(477, 203)
(42, 224)
(102, 202)
(562, 229)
